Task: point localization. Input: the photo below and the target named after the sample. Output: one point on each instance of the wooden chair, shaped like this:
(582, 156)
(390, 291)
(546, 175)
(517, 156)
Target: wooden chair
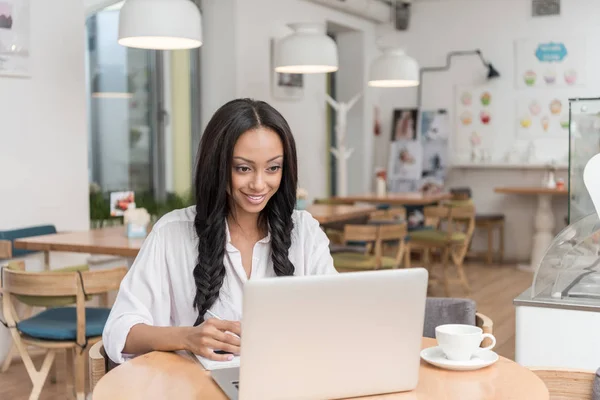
(453, 226)
(373, 236)
(99, 364)
(490, 223)
(487, 222)
(566, 384)
(29, 302)
(390, 214)
(68, 328)
(5, 249)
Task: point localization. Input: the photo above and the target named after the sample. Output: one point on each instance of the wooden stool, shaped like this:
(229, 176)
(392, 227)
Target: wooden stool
(490, 222)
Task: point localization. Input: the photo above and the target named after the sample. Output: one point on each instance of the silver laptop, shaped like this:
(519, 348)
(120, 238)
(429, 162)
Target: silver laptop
(329, 336)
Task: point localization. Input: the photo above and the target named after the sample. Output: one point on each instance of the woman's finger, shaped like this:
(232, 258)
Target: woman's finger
(211, 355)
(219, 345)
(231, 326)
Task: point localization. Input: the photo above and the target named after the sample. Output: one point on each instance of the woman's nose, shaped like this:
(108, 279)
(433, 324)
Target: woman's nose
(258, 183)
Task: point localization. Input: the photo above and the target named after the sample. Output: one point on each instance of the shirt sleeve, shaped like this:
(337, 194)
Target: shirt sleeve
(143, 298)
(319, 260)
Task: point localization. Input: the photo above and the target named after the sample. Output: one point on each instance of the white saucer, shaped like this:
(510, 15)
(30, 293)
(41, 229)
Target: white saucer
(481, 359)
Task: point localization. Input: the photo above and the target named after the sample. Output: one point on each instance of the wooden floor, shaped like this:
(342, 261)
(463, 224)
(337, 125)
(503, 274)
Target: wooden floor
(494, 287)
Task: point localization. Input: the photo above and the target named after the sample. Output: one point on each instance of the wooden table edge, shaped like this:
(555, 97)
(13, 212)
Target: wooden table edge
(188, 357)
(424, 200)
(26, 244)
(529, 190)
(365, 211)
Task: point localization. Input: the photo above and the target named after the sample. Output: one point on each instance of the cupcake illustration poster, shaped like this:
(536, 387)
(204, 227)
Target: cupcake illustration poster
(549, 63)
(475, 111)
(542, 117)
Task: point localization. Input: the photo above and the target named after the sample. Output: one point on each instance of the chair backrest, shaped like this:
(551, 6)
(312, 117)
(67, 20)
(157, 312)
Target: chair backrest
(5, 249)
(567, 384)
(441, 310)
(102, 280)
(446, 310)
(12, 235)
(46, 301)
(20, 282)
(393, 232)
(455, 216)
(360, 233)
(390, 214)
(461, 193)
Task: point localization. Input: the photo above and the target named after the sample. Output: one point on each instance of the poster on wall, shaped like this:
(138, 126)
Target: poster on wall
(285, 86)
(404, 124)
(120, 201)
(475, 120)
(434, 131)
(542, 116)
(550, 63)
(14, 38)
(405, 161)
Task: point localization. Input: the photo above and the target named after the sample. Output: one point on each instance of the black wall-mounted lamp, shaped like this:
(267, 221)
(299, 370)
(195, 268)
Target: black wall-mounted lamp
(492, 72)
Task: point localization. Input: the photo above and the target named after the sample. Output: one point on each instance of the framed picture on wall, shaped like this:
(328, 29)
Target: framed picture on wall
(14, 38)
(285, 86)
(404, 124)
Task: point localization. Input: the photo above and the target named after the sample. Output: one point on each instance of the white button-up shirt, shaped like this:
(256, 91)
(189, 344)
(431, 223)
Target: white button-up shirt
(159, 288)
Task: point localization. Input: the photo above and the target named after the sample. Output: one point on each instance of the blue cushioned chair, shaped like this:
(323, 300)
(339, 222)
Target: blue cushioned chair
(68, 328)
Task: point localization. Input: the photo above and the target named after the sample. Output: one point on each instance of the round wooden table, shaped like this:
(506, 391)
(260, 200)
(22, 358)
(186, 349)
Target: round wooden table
(160, 375)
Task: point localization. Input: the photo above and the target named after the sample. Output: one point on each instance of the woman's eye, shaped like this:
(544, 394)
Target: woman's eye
(274, 168)
(242, 169)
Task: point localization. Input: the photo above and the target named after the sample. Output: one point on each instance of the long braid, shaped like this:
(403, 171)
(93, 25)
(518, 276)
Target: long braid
(209, 273)
(281, 226)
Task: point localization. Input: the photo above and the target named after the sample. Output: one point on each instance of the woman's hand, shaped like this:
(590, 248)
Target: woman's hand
(214, 335)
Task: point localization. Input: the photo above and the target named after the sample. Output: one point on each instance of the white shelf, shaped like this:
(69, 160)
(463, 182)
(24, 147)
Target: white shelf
(492, 165)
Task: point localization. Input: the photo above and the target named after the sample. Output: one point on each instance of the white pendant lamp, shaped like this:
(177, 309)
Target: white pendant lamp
(394, 69)
(306, 51)
(160, 24)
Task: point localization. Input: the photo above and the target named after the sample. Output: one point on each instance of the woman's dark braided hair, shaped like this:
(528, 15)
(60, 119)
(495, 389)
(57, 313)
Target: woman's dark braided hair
(212, 180)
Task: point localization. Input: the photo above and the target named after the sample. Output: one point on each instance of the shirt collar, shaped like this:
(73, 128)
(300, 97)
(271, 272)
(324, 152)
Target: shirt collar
(229, 246)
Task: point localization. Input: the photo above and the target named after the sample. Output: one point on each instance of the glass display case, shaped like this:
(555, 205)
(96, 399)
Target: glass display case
(584, 143)
(563, 303)
(570, 269)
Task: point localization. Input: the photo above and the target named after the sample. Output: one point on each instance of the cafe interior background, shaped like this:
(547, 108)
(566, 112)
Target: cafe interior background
(505, 113)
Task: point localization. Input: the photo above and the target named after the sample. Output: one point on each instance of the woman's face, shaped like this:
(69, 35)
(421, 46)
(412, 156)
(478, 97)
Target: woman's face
(256, 169)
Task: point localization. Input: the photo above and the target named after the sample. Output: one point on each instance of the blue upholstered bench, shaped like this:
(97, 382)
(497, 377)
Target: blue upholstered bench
(14, 234)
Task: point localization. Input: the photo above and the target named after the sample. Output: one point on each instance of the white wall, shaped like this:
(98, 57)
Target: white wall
(43, 139)
(493, 25)
(247, 74)
(352, 50)
(218, 56)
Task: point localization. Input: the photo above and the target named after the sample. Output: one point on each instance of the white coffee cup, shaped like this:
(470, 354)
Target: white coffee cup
(459, 342)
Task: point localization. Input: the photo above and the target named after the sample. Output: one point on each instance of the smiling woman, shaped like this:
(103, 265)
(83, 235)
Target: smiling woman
(194, 263)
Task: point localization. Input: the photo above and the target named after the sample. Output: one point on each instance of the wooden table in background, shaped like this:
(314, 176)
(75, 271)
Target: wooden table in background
(109, 241)
(328, 213)
(171, 376)
(398, 199)
(113, 241)
(543, 223)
